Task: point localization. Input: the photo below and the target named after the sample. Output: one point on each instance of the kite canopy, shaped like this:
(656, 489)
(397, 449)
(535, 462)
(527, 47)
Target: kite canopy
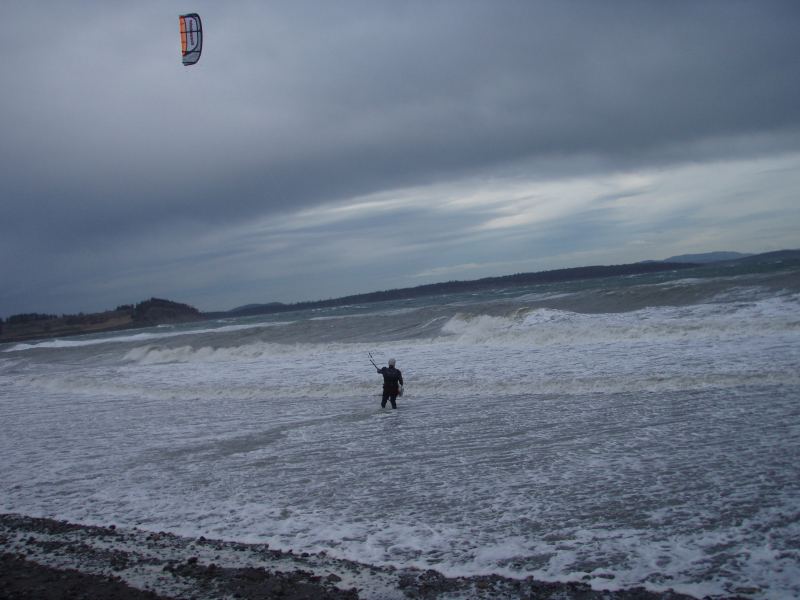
(191, 38)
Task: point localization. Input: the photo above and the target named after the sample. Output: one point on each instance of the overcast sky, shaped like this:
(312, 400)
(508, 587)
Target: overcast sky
(320, 149)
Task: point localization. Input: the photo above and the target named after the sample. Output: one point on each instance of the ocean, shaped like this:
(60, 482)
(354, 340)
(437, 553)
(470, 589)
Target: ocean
(628, 431)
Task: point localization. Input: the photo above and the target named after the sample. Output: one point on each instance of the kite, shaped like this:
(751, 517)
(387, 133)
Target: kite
(191, 38)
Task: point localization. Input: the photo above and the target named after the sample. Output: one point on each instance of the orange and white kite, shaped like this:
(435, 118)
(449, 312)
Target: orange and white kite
(191, 38)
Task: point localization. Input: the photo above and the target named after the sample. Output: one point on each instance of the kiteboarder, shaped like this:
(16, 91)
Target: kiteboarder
(392, 383)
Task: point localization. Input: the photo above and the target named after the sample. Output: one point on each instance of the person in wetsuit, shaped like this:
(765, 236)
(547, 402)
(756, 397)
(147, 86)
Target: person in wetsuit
(392, 380)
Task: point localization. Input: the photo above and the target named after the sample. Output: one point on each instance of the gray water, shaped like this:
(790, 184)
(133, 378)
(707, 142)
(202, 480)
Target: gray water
(627, 431)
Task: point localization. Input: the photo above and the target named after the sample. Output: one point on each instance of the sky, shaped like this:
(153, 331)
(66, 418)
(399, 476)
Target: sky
(321, 149)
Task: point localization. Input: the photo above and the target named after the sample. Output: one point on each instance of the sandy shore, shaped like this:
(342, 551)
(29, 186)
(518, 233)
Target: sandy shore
(48, 560)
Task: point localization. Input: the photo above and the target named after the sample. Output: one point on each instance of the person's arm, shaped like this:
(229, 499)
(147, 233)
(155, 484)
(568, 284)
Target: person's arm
(400, 377)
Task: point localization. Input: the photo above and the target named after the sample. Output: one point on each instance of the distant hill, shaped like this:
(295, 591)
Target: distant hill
(685, 261)
(455, 287)
(706, 257)
(772, 257)
(155, 311)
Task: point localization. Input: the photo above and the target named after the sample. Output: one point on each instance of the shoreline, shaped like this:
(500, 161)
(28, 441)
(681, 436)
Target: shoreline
(70, 560)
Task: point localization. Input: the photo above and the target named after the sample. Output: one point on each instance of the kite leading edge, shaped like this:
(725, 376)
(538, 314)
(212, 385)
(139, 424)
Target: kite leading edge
(191, 38)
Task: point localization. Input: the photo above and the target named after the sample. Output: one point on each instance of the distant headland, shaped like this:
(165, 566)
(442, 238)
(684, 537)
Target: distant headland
(157, 311)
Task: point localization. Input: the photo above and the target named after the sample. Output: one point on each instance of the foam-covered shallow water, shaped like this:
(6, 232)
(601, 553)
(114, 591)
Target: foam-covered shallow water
(628, 432)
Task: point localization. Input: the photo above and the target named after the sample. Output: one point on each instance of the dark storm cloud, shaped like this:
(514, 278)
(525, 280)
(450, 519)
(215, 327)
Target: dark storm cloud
(109, 143)
(411, 97)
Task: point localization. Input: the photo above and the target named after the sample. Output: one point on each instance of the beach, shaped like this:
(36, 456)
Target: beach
(44, 559)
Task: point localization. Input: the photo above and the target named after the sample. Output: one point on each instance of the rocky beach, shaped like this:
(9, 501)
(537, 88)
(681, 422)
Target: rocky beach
(45, 559)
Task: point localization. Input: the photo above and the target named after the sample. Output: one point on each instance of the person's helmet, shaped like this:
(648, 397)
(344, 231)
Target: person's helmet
(391, 362)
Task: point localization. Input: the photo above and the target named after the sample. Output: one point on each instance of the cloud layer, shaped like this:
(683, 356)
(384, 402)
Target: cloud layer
(319, 143)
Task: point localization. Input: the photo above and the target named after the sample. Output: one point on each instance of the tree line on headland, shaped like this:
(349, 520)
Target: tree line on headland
(474, 285)
(154, 311)
(524, 279)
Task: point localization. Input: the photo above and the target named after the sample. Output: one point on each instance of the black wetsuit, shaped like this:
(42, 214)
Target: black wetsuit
(392, 380)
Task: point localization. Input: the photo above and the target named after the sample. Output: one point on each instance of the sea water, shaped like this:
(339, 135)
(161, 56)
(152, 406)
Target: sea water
(624, 431)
